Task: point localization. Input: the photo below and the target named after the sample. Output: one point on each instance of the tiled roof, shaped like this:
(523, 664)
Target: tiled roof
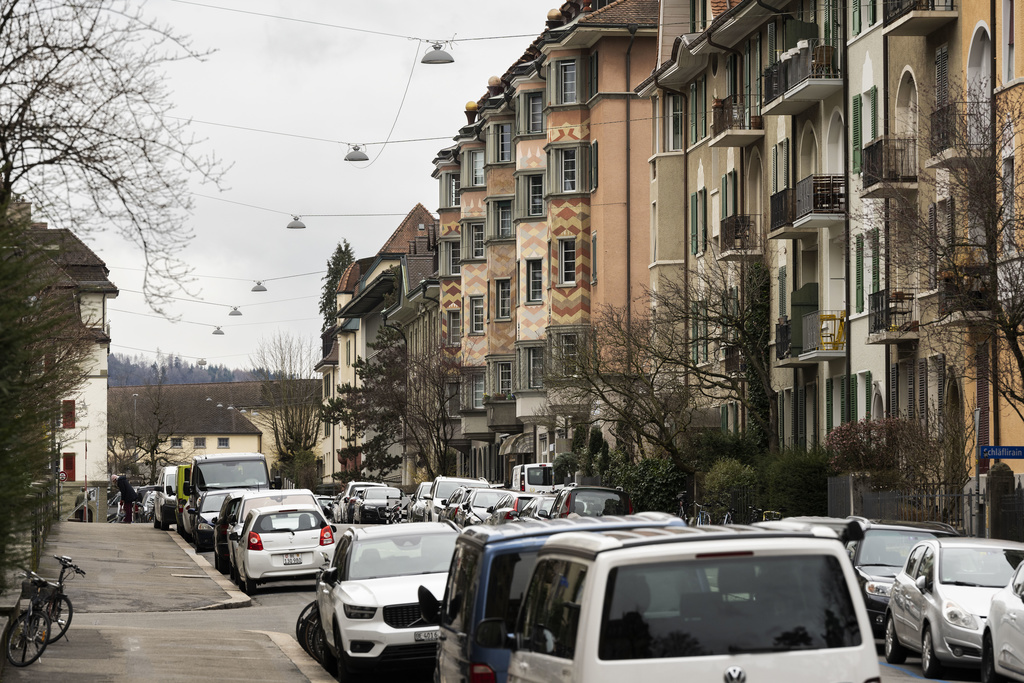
(350, 278)
(720, 6)
(73, 257)
(643, 12)
(419, 268)
(407, 231)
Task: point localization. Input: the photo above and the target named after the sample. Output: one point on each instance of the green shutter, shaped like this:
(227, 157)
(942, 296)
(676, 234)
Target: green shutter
(736, 418)
(856, 18)
(828, 404)
(867, 395)
(704, 324)
(704, 219)
(857, 131)
(785, 163)
(782, 290)
(693, 15)
(693, 113)
(876, 260)
(771, 43)
(871, 12)
(775, 169)
(860, 273)
(703, 107)
(734, 184)
(873, 94)
(853, 398)
(724, 204)
(693, 223)
(843, 415)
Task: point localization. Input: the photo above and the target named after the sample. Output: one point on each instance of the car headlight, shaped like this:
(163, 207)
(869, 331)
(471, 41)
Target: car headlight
(203, 526)
(958, 616)
(878, 588)
(358, 612)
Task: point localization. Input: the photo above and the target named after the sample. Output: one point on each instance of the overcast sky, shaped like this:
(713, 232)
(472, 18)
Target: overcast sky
(305, 78)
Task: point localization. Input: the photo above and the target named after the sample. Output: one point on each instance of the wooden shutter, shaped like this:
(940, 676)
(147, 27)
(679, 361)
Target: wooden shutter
(785, 163)
(856, 18)
(693, 15)
(922, 391)
(782, 418)
(793, 415)
(704, 325)
(771, 43)
(933, 236)
(775, 169)
(894, 390)
(693, 223)
(67, 414)
(782, 290)
(704, 219)
(693, 113)
(703, 107)
(981, 399)
(941, 76)
(725, 419)
(843, 415)
(828, 404)
(859, 255)
(868, 391)
(872, 16)
(873, 94)
(724, 204)
(950, 225)
(876, 261)
(734, 197)
(911, 398)
(801, 416)
(857, 133)
(940, 390)
(854, 380)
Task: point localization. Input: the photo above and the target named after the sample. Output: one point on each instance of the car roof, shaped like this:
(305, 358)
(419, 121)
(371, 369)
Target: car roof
(400, 530)
(934, 527)
(964, 542)
(574, 489)
(486, 535)
(294, 507)
(253, 493)
(228, 457)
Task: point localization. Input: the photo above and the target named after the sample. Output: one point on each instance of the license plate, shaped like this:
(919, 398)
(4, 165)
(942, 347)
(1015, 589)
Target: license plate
(425, 635)
(293, 558)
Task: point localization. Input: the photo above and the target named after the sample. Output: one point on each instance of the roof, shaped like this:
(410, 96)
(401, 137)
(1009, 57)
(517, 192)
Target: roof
(623, 12)
(76, 260)
(407, 231)
(542, 528)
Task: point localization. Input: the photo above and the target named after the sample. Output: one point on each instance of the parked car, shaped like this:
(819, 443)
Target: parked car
(250, 501)
(326, 506)
(368, 597)
(1002, 643)
(450, 506)
(228, 512)
(372, 504)
(540, 507)
(508, 507)
(537, 477)
(210, 504)
(144, 503)
(476, 505)
(418, 503)
(489, 572)
(182, 478)
(283, 542)
(341, 505)
(678, 602)
(442, 488)
(591, 501)
(166, 502)
(939, 601)
(880, 556)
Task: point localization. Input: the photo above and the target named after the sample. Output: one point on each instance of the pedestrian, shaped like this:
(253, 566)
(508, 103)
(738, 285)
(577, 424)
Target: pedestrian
(127, 495)
(80, 505)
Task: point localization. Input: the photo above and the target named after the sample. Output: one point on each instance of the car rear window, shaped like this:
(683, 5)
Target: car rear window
(539, 476)
(888, 547)
(446, 488)
(725, 606)
(296, 520)
(599, 503)
(381, 493)
(275, 499)
(485, 499)
(401, 556)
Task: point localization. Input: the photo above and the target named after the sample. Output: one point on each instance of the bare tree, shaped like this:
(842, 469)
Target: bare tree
(142, 422)
(434, 375)
(87, 133)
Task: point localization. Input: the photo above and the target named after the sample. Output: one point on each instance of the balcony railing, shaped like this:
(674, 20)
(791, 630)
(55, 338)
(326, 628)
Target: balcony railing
(782, 208)
(774, 82)
(897, 9)
(783, 339)
(963, 294)
(825, 331)
(735, 112)
(893, 311)
(890, 160)
(961, 124)
(814, 61)
(735, 361)
(820, 194)
(739, 232)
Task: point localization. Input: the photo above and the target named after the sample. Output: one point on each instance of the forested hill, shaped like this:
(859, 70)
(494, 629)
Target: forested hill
(127, 370)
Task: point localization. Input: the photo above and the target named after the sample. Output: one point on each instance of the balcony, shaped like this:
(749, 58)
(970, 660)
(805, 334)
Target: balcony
(786, 355)
(820, 202)
(960, 132)
(781, 212)
(802, 77)
(824, 335)
(917, 17)
(890, 168)
(501, 415)
(739, 239)
(963, 296)
(735, 121)
(735, 361)
(892, 317)
(474, 425)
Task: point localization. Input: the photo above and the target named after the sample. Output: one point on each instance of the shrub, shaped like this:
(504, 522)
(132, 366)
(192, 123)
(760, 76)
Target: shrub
(797, 482)
(565, 465)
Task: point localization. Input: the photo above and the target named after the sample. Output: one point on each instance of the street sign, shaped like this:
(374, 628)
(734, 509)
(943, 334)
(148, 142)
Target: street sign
(1003, 452)
(63, 476)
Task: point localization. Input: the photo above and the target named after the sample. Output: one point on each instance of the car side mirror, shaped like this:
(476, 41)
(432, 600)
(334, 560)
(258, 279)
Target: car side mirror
(330, 576)
(922, 583)
(493, 633)
(233, 536)
(444, 502)
(430, 607)
(490, 509)
(169, 490)
(543, 513)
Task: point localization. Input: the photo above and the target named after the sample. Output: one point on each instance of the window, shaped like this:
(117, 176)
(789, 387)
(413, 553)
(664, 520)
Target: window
(699, 221)
(454, 190)
(462, 586)
(593, 165)
(697, 14)
(567, 261)
(67, 414)
(176, 442)
(454, 328)
(503, 219)
(454, 260)
(348, 352)
(199, 442)
(535, 367)
(504, 383)
(535, 195)
(592, 73)
(534, 281)
(535, 112)
(566, 82)
(698, 110)
(476, 168)
(566, 169)
(478, 391)
(551, 608)
(476, 312)
(569, 351)
(476, 240)
(453, 398)
(503, 294)
(504, 142)
(223, 442)
(674, 123)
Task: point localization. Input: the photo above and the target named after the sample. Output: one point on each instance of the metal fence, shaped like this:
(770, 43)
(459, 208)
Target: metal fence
(1010, 509)
(44, 511)
(955, 509)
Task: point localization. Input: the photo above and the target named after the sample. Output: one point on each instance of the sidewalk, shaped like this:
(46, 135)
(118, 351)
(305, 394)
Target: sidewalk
(134, 570)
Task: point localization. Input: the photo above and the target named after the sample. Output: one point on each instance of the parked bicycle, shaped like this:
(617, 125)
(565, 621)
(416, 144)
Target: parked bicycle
(30, 632)
(703, 516)
(727, 517)
(58, 605)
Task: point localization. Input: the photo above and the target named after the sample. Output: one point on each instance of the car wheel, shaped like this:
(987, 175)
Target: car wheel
(343, 674)
(156, 523)
(988, 664)
(930, 666)
(895, 653)
(248, 585)
(164, 525)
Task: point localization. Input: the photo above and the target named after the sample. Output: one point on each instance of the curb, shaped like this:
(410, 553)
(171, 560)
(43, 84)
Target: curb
(307, 666)
(236, 597)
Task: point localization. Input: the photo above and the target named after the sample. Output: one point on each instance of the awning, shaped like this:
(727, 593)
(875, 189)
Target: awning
(518, 444)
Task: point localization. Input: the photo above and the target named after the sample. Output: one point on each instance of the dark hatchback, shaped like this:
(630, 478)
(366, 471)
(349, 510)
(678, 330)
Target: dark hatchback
(206, 514)
(880, 556)
(372, 504)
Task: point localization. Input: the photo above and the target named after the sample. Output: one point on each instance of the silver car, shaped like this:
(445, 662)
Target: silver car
(940, 600)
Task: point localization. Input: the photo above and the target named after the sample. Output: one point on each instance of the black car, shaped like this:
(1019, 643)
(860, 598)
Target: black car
(228, 510)
(591, 501)
(372, 504)
(209, 507)
(879, 557)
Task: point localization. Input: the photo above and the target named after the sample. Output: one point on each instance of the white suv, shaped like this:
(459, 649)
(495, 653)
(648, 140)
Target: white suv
(694, 603)
(442, 488)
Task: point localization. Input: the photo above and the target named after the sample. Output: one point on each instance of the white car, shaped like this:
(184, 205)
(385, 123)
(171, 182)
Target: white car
(283, 542)
(252, 500)
(442, 488)
(368, 597)
(1002, 650)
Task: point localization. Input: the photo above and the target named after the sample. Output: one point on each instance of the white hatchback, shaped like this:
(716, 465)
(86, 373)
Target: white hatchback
(283, 542)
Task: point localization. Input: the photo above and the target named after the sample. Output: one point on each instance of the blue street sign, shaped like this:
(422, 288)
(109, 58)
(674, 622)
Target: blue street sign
(1003, 452)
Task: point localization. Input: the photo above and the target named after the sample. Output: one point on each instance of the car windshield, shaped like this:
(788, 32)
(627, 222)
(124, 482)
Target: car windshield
(888, 547)
(989, 567)
(598, 503)
(292, 520)
(485, 499)
(381, 493)
(403, 555)
(230, 474)
(727, 606)
(212, 502)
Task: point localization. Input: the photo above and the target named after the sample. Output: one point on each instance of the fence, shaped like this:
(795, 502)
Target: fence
(44, 511)
(1010, 510)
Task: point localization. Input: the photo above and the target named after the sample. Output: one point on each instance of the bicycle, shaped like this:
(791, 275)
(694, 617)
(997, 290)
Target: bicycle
(728, 516)
(30, 632)
(58, 605)
(703, 516)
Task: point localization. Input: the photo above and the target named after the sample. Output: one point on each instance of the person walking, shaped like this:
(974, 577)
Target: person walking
(127, 496)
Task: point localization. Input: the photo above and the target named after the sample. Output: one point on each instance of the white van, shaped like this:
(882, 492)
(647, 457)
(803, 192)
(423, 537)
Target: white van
(536, 477)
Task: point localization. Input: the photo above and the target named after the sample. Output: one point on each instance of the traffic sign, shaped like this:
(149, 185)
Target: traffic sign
(63, 476)
(1003, 452)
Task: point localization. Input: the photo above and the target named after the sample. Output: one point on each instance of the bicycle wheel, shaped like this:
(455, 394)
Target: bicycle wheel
(27, 638)
(60, 612)
(302, 623)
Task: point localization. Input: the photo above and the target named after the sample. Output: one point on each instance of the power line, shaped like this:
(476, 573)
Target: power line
(291, 213)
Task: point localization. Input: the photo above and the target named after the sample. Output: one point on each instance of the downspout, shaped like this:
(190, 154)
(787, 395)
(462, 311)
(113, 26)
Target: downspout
(632, 28)
(846, 230)
(994, 432)
(890, 399)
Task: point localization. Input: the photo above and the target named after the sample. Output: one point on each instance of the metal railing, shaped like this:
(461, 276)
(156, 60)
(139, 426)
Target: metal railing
(890, 159)
(735, 112)
(817, 60)
(961, 124)
(739, 232)
(735, 361)
(774, 82)
(825, 331)
(820, 194)
(897, 9)
(894, 311)
(955, 509)
(783, 339)
(781, 208)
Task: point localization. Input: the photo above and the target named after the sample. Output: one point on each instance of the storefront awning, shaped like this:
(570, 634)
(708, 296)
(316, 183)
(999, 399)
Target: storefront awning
(517, 445)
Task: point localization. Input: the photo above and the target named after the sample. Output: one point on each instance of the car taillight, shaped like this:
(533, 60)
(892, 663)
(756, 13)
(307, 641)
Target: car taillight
(567, 507)
(508, 515)
(255, 542)
(326, 537)
(630, 507)
(481, 673)
(522, 486)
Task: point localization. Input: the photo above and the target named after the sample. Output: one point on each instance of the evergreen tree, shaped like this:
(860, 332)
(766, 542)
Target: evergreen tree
(341, 259)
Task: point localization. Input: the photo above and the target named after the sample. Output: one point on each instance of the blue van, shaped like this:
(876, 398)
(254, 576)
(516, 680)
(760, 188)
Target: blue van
(488, 576)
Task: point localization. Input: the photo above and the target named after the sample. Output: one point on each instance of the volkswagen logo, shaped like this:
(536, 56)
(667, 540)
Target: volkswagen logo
(735, 674)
